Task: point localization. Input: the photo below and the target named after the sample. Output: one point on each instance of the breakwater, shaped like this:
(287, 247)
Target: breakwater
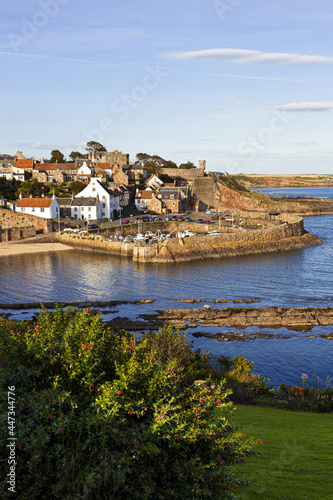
(237, 242)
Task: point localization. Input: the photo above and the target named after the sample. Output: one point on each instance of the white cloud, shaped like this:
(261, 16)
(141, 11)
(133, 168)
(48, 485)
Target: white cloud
(242, 56)
(304, 106)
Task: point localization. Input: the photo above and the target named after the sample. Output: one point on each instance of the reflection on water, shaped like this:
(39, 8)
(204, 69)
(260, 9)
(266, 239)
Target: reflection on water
(288, 279)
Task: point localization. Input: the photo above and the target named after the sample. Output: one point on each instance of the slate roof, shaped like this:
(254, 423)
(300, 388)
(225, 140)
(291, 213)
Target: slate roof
(84, 202)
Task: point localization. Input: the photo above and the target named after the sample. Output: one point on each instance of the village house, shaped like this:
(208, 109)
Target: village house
(111, 157)
(103, 170)
(87, 208)
(6, 171)
(142, 198)
(65, 206)
(153, 182)
(120, 178)
(155, 205)
(20, 174)
(175, 199)
(124, 195)
(85, 172)
(55, 172)
(108, 199)
(136, 172)
(25, 163)
(47, 208)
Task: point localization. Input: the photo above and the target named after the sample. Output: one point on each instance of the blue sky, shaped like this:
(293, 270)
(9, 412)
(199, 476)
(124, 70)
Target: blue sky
(244, 84)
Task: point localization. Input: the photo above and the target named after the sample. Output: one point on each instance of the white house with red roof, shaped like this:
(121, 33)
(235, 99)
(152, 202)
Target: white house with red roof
(142, 198)
(47, 208)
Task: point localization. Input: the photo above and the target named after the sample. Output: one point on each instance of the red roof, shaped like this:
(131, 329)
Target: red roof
(35, 202)
(144, 195)
(103, 165)
(26, 162)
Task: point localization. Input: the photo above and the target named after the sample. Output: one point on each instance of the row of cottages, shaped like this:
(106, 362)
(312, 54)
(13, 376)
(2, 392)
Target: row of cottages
(47, 208)
(15, 167)
(95, 202)
(165, 199)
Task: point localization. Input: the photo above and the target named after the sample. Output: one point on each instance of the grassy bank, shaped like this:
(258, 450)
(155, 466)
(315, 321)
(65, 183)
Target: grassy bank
(296, 462)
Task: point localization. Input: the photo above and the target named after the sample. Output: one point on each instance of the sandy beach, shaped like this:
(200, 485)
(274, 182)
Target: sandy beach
(8, 249)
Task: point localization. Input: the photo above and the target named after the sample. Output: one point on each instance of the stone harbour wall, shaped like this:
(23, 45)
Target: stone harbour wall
(286, 236)
(279, 238)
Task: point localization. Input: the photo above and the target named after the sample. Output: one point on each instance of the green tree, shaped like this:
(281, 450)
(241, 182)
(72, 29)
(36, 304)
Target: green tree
(76, 187)
(76, 154)
(32, 186)
(187, 165)
(95, 146)
(56, 156)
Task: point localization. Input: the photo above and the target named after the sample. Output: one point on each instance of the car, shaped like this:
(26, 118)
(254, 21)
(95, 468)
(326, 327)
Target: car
(92, 226)
(139, 218)
(68, 229)
(180, 219)
(200, 221)
(126, 221)
(188, 219)
(207, 221)
(167, 217)
(174, 217)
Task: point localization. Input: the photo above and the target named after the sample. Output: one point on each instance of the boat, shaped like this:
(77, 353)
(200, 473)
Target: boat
(212, 213)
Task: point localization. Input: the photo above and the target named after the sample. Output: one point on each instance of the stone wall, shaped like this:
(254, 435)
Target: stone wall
(189, 174)
(10, 219)
(202, 247)
(16, 233)
(96, 243)
(278, 238)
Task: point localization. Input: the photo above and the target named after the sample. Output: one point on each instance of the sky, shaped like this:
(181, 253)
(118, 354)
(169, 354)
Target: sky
(244, 84)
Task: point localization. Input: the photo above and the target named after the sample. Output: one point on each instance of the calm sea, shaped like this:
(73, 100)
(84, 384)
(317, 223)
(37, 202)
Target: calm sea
(300, 278)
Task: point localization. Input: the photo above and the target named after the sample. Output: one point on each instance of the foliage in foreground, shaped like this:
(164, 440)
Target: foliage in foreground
(100, 415)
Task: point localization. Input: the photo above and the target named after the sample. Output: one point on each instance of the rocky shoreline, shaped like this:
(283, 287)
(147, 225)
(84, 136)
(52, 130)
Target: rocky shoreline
(295, 319)
(301, 319)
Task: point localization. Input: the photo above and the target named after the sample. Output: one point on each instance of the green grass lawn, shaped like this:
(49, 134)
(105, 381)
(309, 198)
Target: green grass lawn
(297, 460)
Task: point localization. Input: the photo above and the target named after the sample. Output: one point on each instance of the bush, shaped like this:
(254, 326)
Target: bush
(101, 415)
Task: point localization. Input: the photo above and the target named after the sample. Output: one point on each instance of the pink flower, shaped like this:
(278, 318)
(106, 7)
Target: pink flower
(243, 435)
(222, 462)
(261, 441)
(62, 429)
(37, 329)
(50, 416)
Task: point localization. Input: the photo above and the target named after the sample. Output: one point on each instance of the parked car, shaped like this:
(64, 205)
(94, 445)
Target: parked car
(207, 221)
(92, 226)
(180, 219)
(200, 221)
(188, 219)
(174, 217)
(167, 217)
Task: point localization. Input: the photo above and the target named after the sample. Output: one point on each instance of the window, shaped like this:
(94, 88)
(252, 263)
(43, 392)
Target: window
(89, 216)
(103, 205)
(42, 209)
(33, 209)
(82, 208)
(89, 208)
(103, 197)
(22, 209)
(172, 196)
(173, 203)
(93, 189)
(75, 209)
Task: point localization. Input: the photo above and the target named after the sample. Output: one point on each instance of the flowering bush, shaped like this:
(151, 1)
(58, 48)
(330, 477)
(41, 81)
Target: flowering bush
(100, 415)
